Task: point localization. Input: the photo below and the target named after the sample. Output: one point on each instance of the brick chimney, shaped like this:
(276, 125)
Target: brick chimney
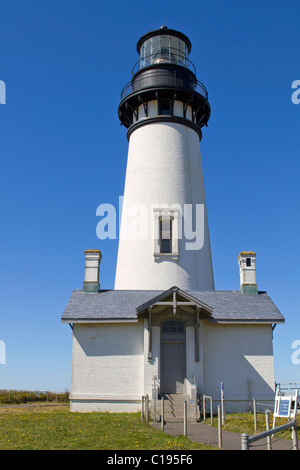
(92, 269)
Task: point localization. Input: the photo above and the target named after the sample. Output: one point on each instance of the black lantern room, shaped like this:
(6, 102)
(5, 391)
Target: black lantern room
(164, 74)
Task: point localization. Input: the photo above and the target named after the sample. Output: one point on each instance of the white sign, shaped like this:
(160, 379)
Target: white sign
(285, 404)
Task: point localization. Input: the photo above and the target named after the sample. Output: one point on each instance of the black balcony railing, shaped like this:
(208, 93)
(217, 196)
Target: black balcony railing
(156, 78)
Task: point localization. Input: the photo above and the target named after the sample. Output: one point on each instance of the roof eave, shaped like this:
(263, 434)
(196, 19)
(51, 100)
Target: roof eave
(247, 320)
(99, 320)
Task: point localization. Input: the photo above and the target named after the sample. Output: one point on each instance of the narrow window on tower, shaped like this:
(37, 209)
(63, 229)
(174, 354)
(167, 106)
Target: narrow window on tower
(248, 261)
(166, 234)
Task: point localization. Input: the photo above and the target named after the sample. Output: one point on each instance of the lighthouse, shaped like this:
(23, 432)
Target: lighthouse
(164, 331)
(164, 235)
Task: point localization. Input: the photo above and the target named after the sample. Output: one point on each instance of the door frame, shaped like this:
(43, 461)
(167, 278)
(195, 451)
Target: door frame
(173, 338)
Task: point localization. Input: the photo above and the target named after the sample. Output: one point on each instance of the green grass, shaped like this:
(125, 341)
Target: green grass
(56, 428)
(244, 423)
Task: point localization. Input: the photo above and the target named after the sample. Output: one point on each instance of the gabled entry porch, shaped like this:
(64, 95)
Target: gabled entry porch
(172, 341)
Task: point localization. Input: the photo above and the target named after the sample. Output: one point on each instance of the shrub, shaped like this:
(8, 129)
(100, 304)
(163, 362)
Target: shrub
(21, 396)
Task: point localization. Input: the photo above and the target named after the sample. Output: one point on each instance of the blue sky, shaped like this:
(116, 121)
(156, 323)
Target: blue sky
(63, 152)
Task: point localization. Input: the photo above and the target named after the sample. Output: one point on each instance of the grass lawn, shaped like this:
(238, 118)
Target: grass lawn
(244, 423)
(53, 428)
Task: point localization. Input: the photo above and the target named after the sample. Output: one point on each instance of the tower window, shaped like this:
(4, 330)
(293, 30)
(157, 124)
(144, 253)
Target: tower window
(166, 227)
(248, 261)
(165, 108)
(165, 234)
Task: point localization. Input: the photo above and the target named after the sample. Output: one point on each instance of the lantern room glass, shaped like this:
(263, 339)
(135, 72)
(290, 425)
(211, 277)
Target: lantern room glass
(163, 49)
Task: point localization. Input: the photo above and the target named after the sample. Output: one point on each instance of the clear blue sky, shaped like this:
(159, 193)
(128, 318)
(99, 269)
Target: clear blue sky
(63, 152)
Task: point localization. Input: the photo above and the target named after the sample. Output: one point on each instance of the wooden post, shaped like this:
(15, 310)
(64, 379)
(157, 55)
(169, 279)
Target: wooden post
(269, 445)
(142, 412)
(154, 399)
(220, 426)
(204, 411)
(162, 424)
(255, 415)
(147, 408)
(185, 418)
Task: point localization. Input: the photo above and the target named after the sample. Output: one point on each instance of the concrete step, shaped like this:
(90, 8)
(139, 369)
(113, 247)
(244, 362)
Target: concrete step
(174, 408)
(179, 410)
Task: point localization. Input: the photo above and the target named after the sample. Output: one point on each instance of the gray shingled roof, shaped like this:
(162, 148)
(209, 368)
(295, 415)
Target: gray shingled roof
(228, 306)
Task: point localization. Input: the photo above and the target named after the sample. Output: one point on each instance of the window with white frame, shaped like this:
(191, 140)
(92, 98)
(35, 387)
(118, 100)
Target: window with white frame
(166, 234)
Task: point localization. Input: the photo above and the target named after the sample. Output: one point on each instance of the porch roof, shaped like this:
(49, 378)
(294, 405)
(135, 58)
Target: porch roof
(125, 305)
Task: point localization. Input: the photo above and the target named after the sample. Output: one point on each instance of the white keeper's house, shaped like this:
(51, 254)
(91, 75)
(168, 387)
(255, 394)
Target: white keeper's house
(164, 330)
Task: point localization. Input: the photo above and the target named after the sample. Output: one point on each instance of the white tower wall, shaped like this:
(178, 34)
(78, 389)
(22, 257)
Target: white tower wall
(164, 167)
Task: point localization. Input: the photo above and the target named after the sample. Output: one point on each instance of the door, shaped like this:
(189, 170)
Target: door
(172, 357)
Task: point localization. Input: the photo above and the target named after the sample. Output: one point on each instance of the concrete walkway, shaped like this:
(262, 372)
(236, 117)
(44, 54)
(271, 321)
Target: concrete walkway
(208, 435)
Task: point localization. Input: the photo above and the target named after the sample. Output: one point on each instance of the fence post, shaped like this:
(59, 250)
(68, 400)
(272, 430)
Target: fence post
(294, 436)
(255, 415)
(147, 408)
(185, 418)
(245, 441)
(269, 445)
(154, 406)
(162, 414)
(204, 410)
(142, 411)
(219, 426)
(211, 410)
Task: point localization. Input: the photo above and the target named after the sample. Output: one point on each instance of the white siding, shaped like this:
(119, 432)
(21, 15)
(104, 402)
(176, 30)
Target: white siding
(108, 366)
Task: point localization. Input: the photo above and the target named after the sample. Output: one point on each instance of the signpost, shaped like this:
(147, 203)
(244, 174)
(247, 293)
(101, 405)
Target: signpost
(222, 403)
(285, 405)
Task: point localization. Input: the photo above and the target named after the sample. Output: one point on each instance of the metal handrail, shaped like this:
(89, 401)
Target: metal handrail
(128, 88)
(288, 386)
(246, 440)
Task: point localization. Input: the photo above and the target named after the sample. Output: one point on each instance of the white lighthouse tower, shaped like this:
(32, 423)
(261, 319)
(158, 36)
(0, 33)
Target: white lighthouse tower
(164, 236)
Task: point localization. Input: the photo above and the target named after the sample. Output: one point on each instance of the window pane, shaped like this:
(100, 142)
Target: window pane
(164, 48)
(164, 108)
(171, 326)
(166, 246)
(165, 227)
(165, 234)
